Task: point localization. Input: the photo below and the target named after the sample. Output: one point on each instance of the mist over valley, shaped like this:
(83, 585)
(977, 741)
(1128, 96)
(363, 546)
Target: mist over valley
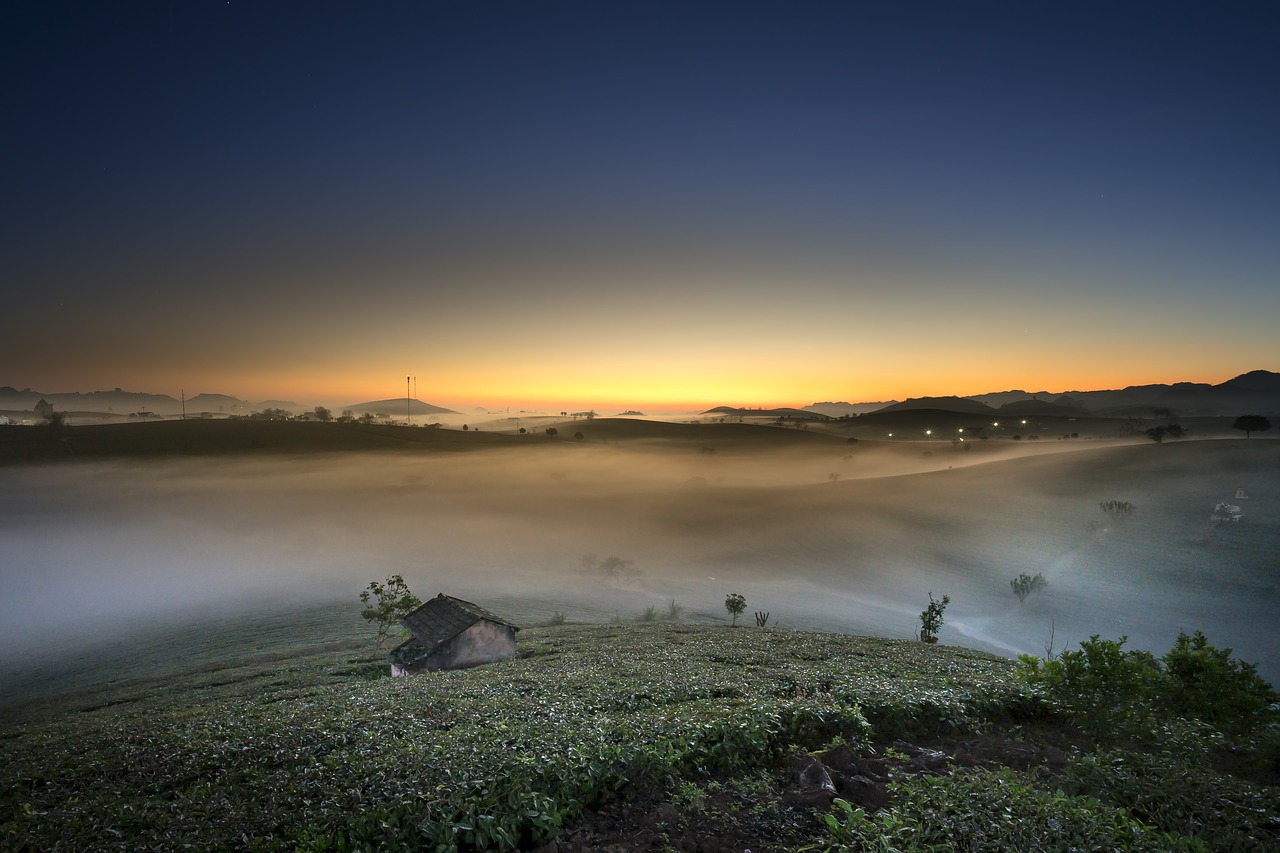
(821, 532)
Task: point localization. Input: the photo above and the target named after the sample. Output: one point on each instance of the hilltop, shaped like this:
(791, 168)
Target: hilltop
(398, 406)
(697, 737)
(1257, 391)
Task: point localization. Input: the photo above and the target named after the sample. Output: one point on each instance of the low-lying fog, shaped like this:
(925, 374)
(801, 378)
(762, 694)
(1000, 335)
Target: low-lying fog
(93, 549)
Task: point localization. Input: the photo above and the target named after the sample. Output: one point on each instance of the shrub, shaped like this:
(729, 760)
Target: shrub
(1024, 584)
(1206, 683)
(931, 618)
(1116, 510)
(1099, 684)
(1103, 686)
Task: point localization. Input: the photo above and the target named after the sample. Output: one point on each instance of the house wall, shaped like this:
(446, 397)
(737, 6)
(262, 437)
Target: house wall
(483, 642)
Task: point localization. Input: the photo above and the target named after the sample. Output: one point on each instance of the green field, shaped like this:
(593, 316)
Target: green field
(660, 736)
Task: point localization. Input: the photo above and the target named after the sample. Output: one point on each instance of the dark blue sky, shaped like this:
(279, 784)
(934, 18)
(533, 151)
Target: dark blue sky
(181, 171)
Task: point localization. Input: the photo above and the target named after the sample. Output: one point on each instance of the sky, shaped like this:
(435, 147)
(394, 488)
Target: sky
(637, 204)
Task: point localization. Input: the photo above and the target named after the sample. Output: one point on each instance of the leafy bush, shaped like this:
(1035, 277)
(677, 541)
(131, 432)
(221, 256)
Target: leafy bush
(1206, 683)
(1024, 584)
(1099, 684)
(1116, 510)
(1103, 686)
(931, 619)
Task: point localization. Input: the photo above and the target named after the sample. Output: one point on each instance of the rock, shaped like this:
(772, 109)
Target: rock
(862, 791)
(816, 788)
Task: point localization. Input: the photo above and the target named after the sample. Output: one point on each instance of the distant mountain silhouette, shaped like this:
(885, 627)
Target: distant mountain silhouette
(396, 407)
(763, 413)
(91, 401)
(942, 404)
(840, 410)
(1255, 392)
(1002, 398)
(217, 403)
(1041, 408)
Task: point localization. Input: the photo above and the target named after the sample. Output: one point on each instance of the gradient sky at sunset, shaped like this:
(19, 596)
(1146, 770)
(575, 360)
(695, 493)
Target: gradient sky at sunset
(638, 204)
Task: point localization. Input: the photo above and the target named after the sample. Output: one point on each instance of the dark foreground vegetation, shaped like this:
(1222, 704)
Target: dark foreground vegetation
(658, 736)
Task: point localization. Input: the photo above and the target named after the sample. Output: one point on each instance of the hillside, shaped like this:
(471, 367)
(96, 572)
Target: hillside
(397, 407)
(675, 736)
(218, 437)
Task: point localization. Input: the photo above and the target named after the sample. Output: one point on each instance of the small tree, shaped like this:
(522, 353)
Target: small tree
(735, 604)
(323, 414)
(386, 604)
(579, 436)
(552, 431)
(931, 618)
(1024, 584)
(55, 422)
(1250, 424)
(1116, 510)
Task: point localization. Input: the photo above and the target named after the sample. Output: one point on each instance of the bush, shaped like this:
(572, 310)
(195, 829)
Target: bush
(931, 619)
(1024, 584)
(1206, 683)
(1109, 690)
(1100, 684)
(1116, 510)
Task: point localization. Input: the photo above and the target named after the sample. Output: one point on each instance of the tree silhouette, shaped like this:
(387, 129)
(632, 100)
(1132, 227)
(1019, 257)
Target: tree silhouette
(735, 604)
(1251, 424)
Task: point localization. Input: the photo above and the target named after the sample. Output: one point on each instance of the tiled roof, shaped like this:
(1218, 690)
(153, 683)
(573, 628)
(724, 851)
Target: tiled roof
(445, 617)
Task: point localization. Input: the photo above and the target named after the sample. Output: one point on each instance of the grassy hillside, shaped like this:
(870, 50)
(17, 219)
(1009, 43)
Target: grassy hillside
(665, 736)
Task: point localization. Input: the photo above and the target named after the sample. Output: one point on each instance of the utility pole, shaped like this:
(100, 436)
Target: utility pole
(407, 413)
(183, 392)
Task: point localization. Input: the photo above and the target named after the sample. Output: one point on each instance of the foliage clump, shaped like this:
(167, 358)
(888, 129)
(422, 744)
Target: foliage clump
(931, 619)
(385, 604)
(1116, 510)
(735, 604)
(1102, 685)
(1024, 585)
(1249, 424)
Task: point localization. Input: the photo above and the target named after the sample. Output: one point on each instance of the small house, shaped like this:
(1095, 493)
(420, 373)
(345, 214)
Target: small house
(449, 633)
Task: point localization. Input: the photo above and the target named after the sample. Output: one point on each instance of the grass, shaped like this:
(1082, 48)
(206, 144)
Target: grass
(662, 729)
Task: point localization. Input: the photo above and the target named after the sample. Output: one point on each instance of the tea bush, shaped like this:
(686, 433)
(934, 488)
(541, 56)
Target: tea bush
(992, 811)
